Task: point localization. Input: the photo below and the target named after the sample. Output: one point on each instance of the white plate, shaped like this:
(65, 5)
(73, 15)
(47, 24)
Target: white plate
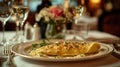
(21, 50)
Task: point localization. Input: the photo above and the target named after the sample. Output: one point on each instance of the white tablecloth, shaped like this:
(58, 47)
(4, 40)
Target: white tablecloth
(8, 35)
(92, 34)
(109, 61)
(96, 36)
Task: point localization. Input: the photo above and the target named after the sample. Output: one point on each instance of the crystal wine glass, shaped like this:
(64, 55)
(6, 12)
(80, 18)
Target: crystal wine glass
(78, 11)
(21, 13)
(5, 14)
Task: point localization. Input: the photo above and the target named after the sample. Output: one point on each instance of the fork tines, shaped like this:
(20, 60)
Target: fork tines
(7, 50)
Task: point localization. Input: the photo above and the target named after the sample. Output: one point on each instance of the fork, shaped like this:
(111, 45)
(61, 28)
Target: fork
(7, 52)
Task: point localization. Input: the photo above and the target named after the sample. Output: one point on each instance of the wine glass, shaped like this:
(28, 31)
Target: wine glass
(81, 26)
(23, 17)
(5, 14)
(78, 12)
(21, 13)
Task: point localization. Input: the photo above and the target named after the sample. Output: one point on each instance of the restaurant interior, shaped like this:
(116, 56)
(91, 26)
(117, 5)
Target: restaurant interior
(25, 22)
(106, 13)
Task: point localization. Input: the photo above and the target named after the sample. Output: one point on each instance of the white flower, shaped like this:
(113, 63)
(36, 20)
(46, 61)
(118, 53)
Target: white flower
(43, 13)
(47, 18)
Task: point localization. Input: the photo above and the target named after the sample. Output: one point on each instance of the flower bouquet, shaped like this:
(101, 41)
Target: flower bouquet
(55, 20)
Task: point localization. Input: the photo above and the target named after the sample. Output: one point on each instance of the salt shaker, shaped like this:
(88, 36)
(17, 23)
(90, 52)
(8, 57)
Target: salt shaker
(36, 32)
(28, 31)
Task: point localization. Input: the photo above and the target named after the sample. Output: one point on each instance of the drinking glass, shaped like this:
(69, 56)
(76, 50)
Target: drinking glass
(5, 46)
(78, 12)
(82, 29)
(21, 13)
(5, 14)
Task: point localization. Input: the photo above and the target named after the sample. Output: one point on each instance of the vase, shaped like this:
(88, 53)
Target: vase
(55, 31)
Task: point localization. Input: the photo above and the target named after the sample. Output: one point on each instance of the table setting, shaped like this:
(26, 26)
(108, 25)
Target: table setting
(77, 47)
(21, 57)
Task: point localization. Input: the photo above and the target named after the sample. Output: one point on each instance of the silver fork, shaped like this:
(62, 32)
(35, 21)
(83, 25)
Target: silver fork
(7, 52)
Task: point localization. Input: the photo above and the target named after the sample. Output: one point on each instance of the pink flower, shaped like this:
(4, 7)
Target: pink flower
(56, 11)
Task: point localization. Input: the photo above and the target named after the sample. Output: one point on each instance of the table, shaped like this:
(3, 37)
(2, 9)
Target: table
(110, 61)
(94, 35)
(107, 61)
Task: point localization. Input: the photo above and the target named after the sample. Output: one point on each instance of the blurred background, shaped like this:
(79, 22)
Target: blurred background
(104, 15)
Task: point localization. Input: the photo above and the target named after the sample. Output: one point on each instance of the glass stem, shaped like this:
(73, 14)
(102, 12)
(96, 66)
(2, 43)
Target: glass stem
(21, 29)
(17, 28)
(21, 33)
(74, 35)
(75, 32)
(3, 26)
(87, 30)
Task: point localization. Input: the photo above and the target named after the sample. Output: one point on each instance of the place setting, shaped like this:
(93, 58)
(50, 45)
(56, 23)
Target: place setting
(54, 35)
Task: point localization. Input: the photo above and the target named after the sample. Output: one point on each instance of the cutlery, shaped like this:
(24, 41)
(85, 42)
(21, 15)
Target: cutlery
(7, 52)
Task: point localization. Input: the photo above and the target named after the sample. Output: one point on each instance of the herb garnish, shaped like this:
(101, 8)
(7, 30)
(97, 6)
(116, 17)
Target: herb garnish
(43, 43)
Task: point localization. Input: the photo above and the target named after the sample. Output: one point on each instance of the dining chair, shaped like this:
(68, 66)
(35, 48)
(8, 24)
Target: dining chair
(110, 22)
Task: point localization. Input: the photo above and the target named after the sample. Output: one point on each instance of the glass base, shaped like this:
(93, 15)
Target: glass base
(4, 43)
(18, 39)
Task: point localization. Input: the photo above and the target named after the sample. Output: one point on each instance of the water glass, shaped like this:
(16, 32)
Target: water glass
(81, 30)
(69, 35)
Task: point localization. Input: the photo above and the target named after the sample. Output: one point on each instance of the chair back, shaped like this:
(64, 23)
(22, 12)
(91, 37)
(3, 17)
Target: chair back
(110, 22)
